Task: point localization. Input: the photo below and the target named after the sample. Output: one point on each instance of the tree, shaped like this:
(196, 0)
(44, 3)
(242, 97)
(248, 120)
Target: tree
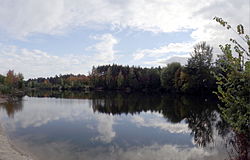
(20, 80)
(10, 78)
(201, 57)
(120, 80)
(247, 65)
(2, 79)
(181, 80)
(109, 78)
(199, 69)
(234, 83)
(168, 75)
(132, 78)
(154, 81)
(11, 83)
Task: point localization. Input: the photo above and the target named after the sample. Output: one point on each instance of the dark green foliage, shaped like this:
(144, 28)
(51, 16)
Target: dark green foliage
(125, 77)
(153, 80)
(120, 80)
(2, 79)
(247, 67)
(133, 79)
(201, 57)
(199, 69)
(168, 75)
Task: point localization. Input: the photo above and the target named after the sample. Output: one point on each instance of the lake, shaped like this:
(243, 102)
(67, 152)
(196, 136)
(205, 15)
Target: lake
(113, 125)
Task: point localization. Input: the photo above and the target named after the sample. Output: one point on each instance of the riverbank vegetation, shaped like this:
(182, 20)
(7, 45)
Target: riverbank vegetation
(233, 85)
(11, 84)
(234, 81)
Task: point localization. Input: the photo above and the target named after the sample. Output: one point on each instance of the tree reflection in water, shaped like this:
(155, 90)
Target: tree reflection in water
(12, 107)
(201, 114)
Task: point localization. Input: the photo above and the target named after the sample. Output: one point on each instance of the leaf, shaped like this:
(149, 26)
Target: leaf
(247, 67)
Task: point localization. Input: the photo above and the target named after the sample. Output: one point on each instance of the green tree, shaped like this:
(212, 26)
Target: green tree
(20, 82)
(247, 66)
(199, 69)
(10, 79)
(234, 83)
(11, 83)
(154, 81)
(168, 75)
(132, 78)
(109, 78)
(120, 80)
(2, 79)
(181, 80)
(201, 57)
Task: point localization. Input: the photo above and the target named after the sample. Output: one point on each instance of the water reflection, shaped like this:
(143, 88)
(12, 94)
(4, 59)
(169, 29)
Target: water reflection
(200, 114)
(12, 107)
(118, 125)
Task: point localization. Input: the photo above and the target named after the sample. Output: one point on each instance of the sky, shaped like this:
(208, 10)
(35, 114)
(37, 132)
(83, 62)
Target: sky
(43, 38)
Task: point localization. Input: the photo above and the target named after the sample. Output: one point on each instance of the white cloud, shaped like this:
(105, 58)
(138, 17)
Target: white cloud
(54, 150)
(70, 110)
(24, 17)
(36, 63)
(105, 128)
(159, 122)
(172, 52)
(166, 51)
(138, 55)
(105, 48)
(43, 113)
(182, 59)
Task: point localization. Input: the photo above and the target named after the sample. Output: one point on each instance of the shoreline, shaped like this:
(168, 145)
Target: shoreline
(9, 151)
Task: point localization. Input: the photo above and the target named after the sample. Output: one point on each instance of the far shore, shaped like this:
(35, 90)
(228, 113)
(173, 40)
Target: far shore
(8, 151)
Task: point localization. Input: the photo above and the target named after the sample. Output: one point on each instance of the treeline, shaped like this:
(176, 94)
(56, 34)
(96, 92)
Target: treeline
(11, 83)
(125, 77)
(195, 77)
(61, 82)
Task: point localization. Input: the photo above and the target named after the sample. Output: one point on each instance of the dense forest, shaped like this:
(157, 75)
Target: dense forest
(195, 77)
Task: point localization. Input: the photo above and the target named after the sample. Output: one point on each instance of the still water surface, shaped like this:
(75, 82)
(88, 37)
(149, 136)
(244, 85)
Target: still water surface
(116, 126)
